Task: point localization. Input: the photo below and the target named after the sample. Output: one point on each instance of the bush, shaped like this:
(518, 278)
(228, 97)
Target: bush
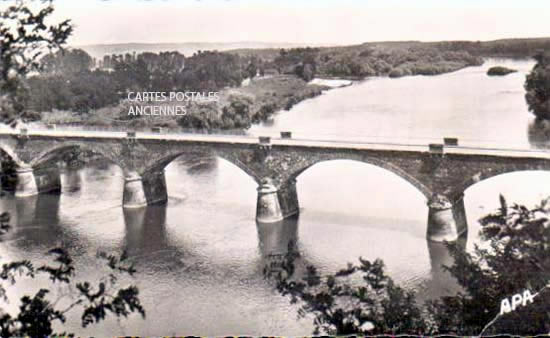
(38, 313)
(397, 72)
(500, 71)
(537, 85)
(339, 306)
(517, 259)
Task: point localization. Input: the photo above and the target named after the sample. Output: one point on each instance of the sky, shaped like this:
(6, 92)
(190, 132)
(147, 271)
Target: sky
(331, 22)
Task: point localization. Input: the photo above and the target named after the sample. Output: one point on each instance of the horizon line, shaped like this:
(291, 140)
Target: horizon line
(301, 43)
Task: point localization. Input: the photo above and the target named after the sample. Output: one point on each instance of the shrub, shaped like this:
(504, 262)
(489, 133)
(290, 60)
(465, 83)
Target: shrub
(537, 85)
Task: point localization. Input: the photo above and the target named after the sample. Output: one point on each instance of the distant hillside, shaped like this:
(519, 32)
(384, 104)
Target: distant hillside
(514, 48)
(524, 47)
(186, 48)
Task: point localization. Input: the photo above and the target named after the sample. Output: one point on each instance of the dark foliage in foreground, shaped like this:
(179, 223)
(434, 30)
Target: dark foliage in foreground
(363, 300)
(359, 299)
(25, 36)
(38, 313)
(517, 258)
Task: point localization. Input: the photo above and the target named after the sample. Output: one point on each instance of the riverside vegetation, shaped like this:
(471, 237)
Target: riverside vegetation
(72, 87)
(500, 71)
(515, 258)
(537, 86)
(362, 299)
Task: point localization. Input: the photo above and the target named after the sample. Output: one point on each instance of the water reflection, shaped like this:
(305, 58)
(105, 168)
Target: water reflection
(145, 229)
(25, 209)
(38, 224)
(147, 242)
(71, 180)
(441, 281)
(278, 238)
(42, 208)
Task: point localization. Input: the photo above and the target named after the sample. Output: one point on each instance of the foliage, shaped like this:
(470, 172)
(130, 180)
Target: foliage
(24, 38)
(499, 71)
(514, 48)
(237, 113)
(77, 88)
(341, 305)
(211, 71)
(537, 86)
(298, 61)
(72, 61)
(79, 92)
(251, 70)
(38, 313)
(205, 117)
(395, 61)
(516, 259)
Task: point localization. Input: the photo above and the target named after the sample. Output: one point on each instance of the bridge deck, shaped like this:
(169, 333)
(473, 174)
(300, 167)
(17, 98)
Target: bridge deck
(326, 144)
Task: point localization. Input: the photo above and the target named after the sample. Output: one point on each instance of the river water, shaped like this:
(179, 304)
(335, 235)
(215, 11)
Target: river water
(200, 258)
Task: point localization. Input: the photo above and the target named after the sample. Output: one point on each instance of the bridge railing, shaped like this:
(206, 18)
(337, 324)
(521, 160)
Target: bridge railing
(299, 136)
(124, 129)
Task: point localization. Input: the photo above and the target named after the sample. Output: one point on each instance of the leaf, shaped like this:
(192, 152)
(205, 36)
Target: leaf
(503, 205)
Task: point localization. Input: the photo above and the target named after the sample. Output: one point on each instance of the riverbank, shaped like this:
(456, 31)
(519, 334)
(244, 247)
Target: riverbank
(252, 84)
(334, 82)
(237, 108)
(356, 62)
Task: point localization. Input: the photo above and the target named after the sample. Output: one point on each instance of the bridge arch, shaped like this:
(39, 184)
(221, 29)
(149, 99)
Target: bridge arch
(487, 174)
(387, 166)
(165, 161)
(49, 154)
(6, 149)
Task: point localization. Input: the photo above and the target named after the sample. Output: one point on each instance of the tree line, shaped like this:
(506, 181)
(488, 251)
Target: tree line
(67, 79)
(516, 258)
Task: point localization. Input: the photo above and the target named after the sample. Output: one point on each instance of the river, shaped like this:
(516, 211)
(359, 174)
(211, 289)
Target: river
(200, 258)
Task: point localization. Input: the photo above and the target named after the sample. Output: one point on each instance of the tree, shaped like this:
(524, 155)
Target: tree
(66, 62)
(38, 313)
(301, 62)
(210, 71)
(24, 38)
(251, 70)
(537, 85)
(342, 306)
(517, 259)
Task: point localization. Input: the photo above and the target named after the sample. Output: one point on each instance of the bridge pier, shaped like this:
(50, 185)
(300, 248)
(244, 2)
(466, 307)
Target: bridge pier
(26, 183)
(446, 218)
(32, 182)
(140, 191)
(48, 179)
(275, 204)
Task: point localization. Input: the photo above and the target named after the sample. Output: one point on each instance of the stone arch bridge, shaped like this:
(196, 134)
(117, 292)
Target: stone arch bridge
(441, 173)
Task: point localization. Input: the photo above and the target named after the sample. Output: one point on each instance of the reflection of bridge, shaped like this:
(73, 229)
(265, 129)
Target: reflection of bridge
(441, 173)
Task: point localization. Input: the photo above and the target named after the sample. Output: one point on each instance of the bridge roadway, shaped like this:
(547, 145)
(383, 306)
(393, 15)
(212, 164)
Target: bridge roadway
(441, 172)
(480, 149)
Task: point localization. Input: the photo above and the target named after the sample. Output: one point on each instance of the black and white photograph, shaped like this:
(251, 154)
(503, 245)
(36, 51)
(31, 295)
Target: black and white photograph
(289, 168)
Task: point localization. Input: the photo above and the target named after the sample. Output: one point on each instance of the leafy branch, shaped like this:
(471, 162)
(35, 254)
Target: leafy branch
(37, 314)
(359, 299)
